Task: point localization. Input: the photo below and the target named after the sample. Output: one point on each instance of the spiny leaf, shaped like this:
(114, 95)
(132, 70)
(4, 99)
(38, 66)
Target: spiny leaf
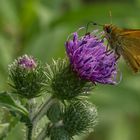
(6, 100)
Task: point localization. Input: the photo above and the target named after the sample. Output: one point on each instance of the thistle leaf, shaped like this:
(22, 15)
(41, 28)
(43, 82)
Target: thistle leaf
(6, 100)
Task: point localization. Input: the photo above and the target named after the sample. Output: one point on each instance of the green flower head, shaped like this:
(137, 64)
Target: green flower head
(27, 76)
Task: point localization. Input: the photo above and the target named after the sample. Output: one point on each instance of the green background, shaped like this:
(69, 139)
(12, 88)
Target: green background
(41, 27)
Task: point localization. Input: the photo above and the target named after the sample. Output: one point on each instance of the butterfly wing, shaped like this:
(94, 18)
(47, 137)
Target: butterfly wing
(130, 43)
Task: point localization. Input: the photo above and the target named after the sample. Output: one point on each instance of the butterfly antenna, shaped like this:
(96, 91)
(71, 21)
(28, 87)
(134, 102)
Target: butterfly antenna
(110, 15)
(87, 26)
(92, 23)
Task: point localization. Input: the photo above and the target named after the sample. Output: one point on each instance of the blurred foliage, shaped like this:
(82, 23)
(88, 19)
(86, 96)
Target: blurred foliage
(40, 28)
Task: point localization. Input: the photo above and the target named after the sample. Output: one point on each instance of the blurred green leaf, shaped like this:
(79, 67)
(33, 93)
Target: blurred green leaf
(18, 132)
(7, 101)
(3, 129)
(8, 12)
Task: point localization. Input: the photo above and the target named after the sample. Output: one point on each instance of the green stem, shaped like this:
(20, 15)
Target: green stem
(42, 111)
(29, 131)
(43, 133)
(29, 123)
(33, 119)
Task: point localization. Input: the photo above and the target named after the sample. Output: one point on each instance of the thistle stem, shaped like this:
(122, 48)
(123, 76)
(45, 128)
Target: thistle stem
(43, 133)
(33, 119)
(42, 111)
(29, 123)
(29, 131)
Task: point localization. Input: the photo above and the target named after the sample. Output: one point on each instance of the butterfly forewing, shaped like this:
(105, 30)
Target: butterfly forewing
(130, 48)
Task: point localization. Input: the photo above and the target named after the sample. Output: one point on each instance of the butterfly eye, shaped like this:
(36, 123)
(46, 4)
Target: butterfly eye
(108, 30)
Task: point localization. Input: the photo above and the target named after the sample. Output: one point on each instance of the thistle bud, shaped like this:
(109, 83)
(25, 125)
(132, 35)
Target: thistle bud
(59, 133)
(80, 117)
(26, 75)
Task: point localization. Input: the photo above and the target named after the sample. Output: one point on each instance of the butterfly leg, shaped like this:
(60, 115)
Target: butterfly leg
(107, 47)
(117, 53)
(117, 56)
(108, 51)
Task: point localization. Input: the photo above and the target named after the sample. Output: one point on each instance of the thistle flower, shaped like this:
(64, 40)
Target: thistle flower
(27, 76)
(91, 60)
(27, 62)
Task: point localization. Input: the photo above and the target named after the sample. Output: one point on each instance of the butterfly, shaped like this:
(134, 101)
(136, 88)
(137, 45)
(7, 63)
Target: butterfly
(125, 42)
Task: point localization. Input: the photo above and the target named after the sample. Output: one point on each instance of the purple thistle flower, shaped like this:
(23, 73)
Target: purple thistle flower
(27, 62)
(91, 60)
(26, 76)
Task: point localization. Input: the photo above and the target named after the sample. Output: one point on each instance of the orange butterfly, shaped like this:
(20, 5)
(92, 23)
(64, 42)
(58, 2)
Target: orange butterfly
(125, 42)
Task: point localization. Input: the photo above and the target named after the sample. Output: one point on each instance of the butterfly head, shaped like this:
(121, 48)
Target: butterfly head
(108, 28)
